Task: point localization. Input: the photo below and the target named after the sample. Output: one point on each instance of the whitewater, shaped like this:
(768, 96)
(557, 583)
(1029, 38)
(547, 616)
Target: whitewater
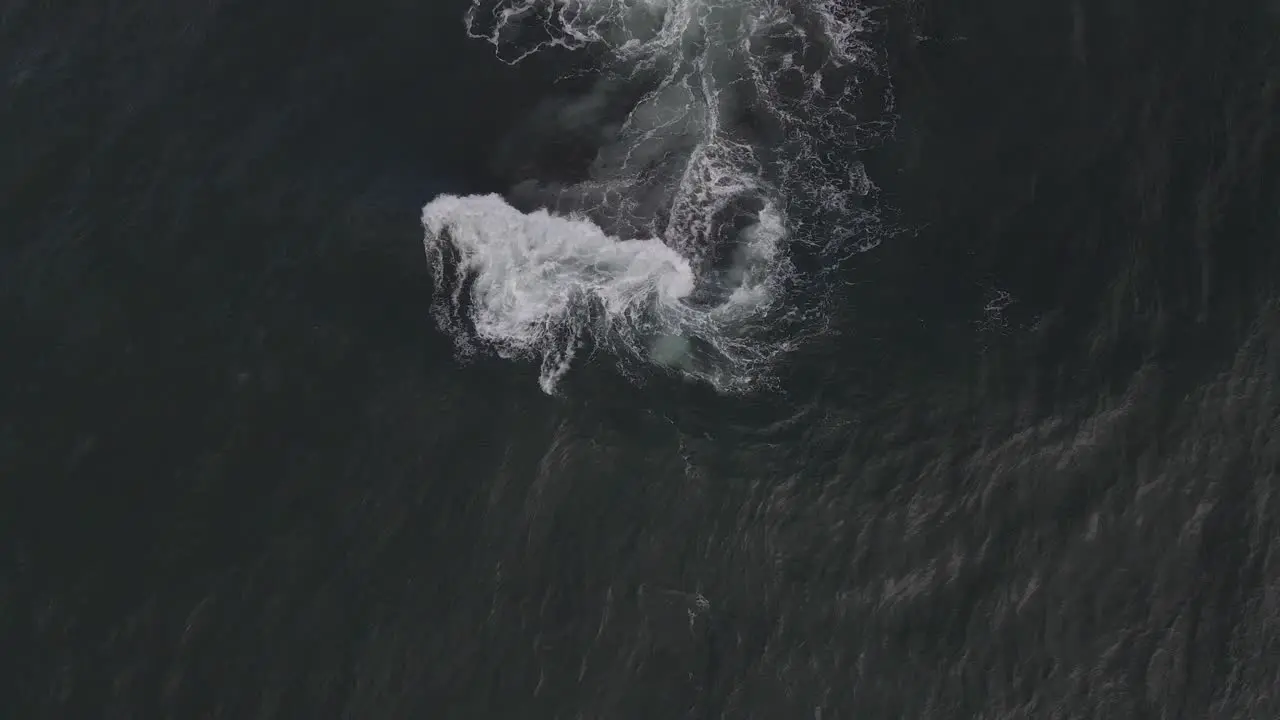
(702, 238)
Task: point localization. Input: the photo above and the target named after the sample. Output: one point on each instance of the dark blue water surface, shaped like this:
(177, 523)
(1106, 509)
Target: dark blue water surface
(1029, 471)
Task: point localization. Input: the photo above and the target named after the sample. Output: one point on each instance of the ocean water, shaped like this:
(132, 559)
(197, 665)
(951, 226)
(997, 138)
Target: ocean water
(640, 359)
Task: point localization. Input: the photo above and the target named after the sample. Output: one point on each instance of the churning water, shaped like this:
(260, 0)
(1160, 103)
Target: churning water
(738, 152)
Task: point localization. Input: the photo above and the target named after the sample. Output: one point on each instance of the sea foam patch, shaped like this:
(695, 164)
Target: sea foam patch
(676, 251)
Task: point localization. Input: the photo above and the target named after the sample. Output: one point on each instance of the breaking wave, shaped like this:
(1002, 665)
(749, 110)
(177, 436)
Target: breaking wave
(701, 238)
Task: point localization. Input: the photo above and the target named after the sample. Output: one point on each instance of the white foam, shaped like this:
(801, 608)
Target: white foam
(542, 283)
(536, 278)
(532, 285)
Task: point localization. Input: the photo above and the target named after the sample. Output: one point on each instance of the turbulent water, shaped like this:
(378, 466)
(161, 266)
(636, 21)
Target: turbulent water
(740, 139)
(766, 359)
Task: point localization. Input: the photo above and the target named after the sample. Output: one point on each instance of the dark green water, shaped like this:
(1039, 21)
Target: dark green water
(245, 475)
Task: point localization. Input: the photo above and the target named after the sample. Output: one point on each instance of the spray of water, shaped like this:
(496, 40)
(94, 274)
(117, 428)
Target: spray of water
(700, 238)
